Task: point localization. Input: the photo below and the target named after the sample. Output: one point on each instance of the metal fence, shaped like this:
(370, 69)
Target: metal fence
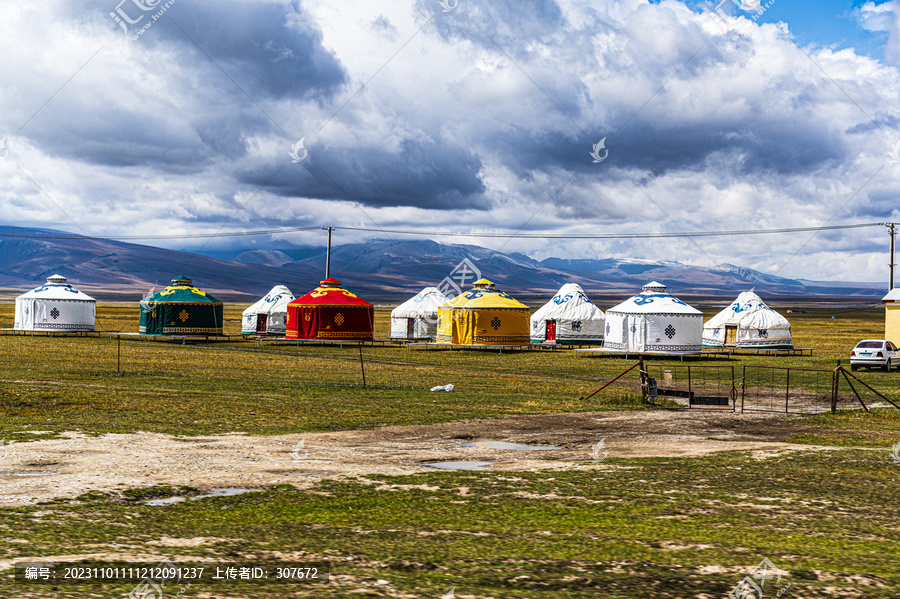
(752, 388)
(789, 390)
(707, 385)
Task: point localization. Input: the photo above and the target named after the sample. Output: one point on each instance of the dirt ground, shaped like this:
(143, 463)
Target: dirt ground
(66, 467)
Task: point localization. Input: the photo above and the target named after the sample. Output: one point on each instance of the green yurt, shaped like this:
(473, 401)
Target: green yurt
(181, 309)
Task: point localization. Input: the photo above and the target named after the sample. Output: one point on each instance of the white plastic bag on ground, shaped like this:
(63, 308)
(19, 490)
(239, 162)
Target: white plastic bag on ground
(443, 388)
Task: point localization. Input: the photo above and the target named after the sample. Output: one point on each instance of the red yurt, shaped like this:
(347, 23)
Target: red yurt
(330, 312)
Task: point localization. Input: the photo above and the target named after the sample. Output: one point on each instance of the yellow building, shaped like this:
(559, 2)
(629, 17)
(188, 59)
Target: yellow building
(484, 316)
(892, 315)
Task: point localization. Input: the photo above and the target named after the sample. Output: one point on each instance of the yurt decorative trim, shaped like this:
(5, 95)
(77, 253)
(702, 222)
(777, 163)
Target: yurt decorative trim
(269, 314)
(330, 312)
(654, 321)
(55, 306)
(181, 309)
(570, 317)
(416, 318)
(746, 324)
(483, 315)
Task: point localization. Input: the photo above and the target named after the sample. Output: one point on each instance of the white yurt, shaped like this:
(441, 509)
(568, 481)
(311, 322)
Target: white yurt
(55, 306)
(748, 323)
(268, 315)
(417, 317)
(570, 317)
(654, 321)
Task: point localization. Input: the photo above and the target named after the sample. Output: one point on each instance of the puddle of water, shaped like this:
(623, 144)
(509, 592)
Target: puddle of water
(504, 445)
(227, 492)
(168, 501)
(459, 465)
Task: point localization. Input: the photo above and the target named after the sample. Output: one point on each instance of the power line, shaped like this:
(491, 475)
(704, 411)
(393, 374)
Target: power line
(624, 235)
(459, 234)
(181, 236)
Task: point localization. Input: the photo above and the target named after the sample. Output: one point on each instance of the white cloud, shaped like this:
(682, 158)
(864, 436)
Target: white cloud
(876, 17)
(482, 120)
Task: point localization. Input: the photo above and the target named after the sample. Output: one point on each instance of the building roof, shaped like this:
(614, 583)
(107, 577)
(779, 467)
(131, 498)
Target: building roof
(892, 296)
(653, 301)
(750, 312)
(424, 303)
(56, 287)
(484, 295)
(330, 293)
(181, 290)
(570, 302)
(275, 301)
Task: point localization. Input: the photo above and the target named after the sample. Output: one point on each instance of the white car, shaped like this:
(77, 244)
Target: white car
(874, 352)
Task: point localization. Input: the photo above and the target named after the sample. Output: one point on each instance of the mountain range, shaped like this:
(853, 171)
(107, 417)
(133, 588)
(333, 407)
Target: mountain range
(380, 270)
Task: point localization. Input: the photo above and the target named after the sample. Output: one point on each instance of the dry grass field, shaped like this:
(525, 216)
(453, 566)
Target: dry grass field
(676, 505)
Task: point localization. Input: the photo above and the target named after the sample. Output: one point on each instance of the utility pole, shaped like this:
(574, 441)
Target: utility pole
(328, 255)
(891, 227)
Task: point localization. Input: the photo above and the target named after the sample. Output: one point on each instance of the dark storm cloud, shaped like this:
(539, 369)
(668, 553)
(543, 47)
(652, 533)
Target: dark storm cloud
(160, 102)
(422, 174)
(647, 131)
(269, 49)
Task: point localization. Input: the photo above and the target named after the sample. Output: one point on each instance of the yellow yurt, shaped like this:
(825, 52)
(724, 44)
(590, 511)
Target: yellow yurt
(484, 316)
(892, 315)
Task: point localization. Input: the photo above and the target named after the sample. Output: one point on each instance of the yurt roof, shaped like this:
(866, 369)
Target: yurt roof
(570, 302)
(275, 301)
(655, 287)
(426, 302)
(654, 302)
(892, 296)
(330, 293)
(748, 311)
(484, 295)
(56, 287)
(181, 291)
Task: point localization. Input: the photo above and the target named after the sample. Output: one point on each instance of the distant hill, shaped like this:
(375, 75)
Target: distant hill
(117, 269)
(382, 270)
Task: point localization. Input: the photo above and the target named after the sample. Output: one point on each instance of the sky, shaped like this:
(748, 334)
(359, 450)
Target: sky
(152, 117)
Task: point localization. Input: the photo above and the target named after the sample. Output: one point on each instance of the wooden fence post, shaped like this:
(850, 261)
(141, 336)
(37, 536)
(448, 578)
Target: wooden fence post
(645, 382)
(362, 367)
(835, 383)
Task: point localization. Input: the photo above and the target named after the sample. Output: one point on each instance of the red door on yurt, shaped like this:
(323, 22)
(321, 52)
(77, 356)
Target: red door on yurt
(261, 322)
(330, 312)
(551, 331)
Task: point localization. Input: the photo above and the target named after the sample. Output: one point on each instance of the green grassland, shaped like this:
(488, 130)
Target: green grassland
(654, 528)
(647, 531)
(98, 386)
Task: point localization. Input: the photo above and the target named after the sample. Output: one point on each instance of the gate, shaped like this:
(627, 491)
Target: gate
(705, 385)
(788, 390)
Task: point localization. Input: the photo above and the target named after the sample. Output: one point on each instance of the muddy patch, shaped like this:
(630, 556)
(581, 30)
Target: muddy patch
(509, 446)
(458, 465)
(85, 463)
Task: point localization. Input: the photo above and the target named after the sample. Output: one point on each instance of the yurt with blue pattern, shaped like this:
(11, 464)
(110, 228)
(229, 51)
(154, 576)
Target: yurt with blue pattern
(654, 321)
(748, 323)
(268, 316)
(55, 306)
(570, 317)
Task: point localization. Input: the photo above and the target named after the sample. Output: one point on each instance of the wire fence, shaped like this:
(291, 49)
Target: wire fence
(789, 390)
(752, 388)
